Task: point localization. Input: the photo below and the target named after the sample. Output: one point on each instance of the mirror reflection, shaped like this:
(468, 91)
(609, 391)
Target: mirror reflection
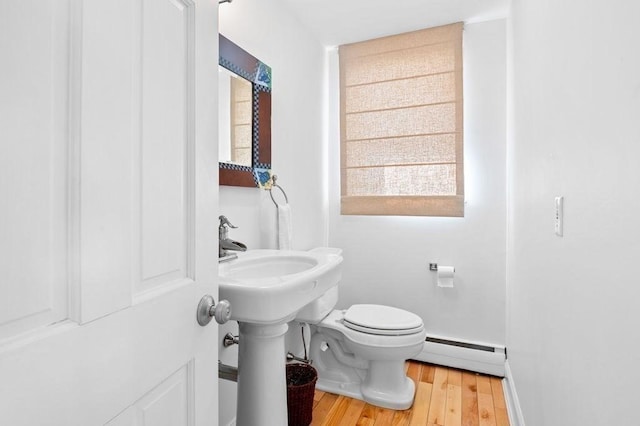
(235, 113)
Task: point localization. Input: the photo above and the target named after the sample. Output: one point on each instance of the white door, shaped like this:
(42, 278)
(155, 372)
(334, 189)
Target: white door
(108, 207)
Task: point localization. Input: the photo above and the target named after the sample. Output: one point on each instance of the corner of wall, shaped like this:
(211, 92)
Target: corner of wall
(513, 403)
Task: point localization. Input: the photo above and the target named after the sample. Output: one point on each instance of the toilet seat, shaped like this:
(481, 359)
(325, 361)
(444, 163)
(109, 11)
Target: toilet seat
(335, 321)
(382, 320)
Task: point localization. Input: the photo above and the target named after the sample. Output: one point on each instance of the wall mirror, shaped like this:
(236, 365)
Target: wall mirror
(244, 116)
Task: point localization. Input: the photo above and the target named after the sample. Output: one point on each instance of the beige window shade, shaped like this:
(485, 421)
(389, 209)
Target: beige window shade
(401, 124)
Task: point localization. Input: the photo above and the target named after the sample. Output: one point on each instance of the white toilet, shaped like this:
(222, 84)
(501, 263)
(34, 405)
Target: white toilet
(360, 352)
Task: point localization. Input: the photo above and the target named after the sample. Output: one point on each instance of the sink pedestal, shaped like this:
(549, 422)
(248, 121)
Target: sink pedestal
(266, 289)
(262, 387)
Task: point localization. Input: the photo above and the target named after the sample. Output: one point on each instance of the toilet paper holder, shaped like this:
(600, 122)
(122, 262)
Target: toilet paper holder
(433, 267)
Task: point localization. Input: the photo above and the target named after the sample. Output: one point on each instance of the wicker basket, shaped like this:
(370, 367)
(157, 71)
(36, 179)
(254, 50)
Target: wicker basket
(301, 385)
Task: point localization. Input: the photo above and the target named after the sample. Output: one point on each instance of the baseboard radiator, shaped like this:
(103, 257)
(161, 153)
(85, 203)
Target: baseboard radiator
(472, 356)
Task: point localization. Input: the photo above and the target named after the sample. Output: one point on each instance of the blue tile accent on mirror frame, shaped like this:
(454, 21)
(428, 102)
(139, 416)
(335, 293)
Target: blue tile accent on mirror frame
(263, 75)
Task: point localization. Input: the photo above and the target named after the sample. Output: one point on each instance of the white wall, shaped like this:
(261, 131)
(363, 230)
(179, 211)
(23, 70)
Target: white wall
(269, 32)
(573, 310)
(387, 258)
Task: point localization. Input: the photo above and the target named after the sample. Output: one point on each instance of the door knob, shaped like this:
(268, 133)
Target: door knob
(207, 309)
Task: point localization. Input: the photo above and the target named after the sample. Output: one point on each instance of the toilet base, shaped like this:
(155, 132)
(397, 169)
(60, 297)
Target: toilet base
(397, 401)
(383, 383)
(387, 385)
(352, 390)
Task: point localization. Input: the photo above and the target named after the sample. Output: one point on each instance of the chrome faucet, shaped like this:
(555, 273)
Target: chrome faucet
(225, 243)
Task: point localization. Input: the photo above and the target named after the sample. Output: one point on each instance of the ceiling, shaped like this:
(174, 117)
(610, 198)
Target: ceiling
(336, 22)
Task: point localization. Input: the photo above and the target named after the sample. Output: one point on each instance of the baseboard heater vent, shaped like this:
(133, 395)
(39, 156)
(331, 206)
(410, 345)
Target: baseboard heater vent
(472, 356)
(461, 344)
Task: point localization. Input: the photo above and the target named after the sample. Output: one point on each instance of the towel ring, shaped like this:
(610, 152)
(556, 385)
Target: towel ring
(274, 178)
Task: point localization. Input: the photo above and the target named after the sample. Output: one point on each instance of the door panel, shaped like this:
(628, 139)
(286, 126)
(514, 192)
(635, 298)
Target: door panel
(105, 34)
(167, 142)
(33, 289)
(166, 405)
(111, 203)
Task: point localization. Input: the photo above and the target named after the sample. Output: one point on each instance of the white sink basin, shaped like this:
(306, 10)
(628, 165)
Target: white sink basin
(271, 286)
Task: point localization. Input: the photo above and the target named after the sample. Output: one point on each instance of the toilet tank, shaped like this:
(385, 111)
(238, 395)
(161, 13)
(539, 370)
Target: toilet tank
(315, 311)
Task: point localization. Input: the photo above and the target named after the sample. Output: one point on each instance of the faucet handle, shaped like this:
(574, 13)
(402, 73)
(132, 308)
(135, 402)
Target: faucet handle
(224, 221)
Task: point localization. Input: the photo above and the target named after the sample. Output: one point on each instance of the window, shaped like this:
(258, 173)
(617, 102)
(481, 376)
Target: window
(401, 124)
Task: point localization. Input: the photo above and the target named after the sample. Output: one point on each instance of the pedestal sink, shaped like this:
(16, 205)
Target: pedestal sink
(266, 288)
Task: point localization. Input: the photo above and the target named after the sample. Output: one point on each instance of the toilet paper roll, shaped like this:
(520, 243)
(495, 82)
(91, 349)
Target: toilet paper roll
(445, 276)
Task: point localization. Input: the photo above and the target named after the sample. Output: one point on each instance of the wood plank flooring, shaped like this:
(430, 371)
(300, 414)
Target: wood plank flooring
(444, 397)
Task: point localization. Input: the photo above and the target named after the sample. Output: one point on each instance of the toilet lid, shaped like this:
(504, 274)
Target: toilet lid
(382, 320)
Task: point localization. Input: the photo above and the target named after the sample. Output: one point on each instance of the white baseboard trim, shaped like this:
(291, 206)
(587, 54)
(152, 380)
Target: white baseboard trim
(513, 403)
(465, 355)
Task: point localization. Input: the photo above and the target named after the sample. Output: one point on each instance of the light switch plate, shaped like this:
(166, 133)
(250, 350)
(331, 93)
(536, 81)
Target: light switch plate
(559, 215)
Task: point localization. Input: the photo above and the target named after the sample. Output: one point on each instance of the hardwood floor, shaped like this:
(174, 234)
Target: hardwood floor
(444, 397)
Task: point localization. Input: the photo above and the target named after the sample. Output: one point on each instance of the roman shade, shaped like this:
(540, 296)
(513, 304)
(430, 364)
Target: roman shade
(401, 124)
